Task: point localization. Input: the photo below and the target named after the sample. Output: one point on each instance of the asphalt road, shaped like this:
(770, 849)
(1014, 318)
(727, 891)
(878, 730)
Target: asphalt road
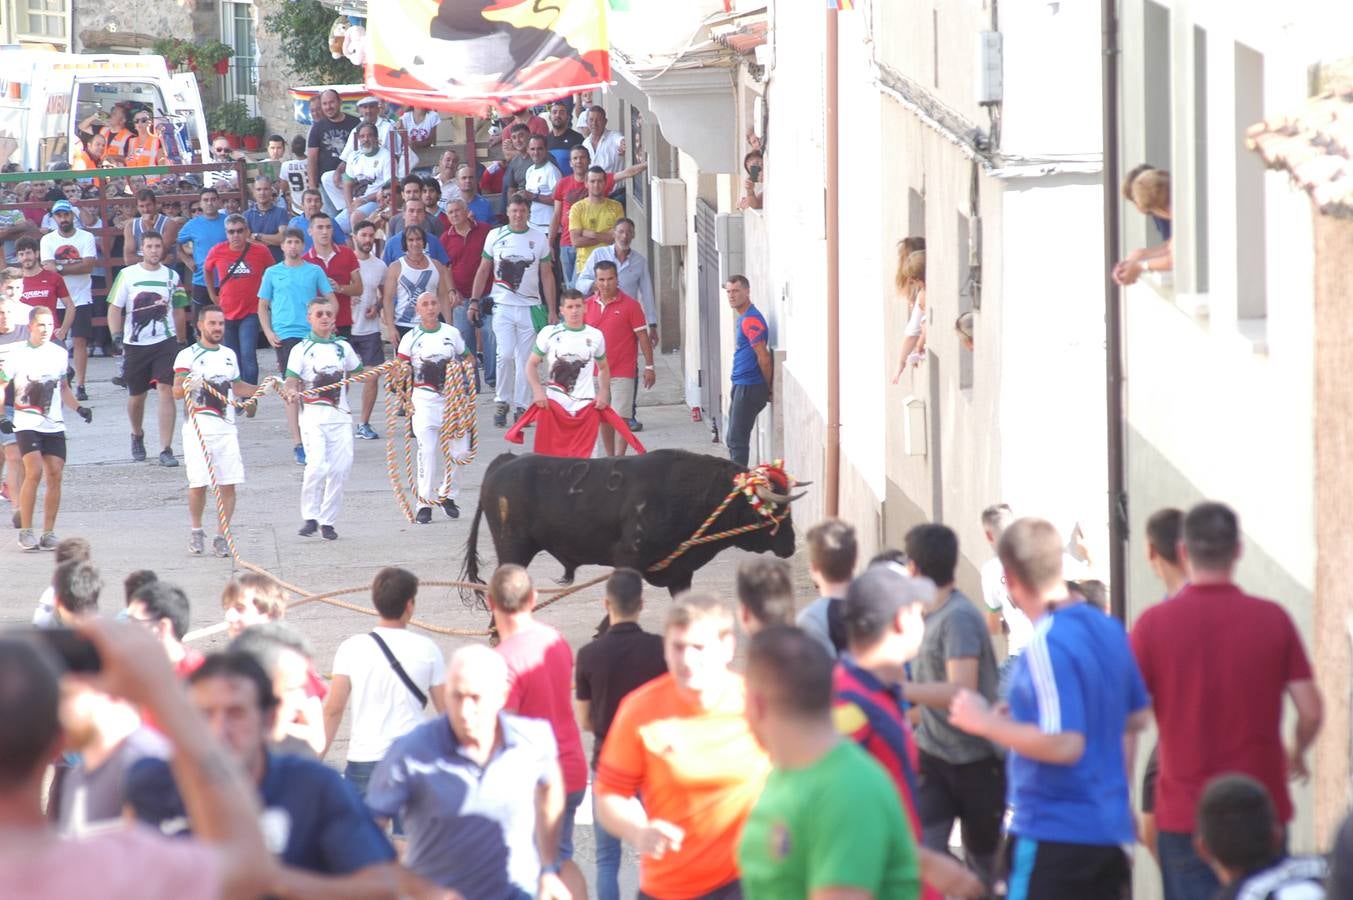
(135, 516)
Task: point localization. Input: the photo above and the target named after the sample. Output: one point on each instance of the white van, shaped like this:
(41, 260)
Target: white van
(43, 95)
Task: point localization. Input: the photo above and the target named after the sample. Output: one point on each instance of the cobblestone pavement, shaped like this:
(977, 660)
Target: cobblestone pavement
(135, 516)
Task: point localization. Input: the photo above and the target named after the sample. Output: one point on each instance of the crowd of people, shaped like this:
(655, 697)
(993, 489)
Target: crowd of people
(834, 761)
(311, 259)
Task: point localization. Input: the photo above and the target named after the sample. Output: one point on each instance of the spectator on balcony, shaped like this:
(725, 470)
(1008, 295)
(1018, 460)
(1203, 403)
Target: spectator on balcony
(910, 282)
(327, 138)
(607, 148)
(419, 127)
(754, 190)
(1149, 191)
(446, 176)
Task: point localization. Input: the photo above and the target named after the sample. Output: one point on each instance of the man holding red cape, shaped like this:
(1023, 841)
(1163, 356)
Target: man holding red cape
(570, 407)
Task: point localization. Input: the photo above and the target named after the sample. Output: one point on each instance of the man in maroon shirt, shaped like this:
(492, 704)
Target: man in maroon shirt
(621, 320)
(1217, 664)
(540, 686)
(41, 287)
(464, 246)
(339, 264)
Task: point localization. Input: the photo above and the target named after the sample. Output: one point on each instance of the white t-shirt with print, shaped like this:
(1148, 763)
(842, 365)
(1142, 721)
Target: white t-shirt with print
(542, 180)
(55, 247)
(219, 368)
(317, 362)
(516, 257)
(570, 363)
(996, 597)
(294, 172)
(367, 171)
(383, 708)
(36, 373)
(420, 131)
(428, 352)
(148, 298)
(373, 276)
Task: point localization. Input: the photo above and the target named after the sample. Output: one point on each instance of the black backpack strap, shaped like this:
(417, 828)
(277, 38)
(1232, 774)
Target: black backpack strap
(418, 695)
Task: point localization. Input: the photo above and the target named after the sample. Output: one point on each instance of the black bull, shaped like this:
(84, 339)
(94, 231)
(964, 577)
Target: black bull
(617, 511)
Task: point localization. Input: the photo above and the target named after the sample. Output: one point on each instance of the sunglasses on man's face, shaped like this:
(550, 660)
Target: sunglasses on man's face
(220, 149)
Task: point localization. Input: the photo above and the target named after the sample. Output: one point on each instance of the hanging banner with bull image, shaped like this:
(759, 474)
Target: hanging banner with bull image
(476, 57)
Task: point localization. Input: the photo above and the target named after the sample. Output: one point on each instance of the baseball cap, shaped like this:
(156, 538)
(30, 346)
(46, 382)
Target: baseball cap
(368, 99)
(62, 206)
(874, 597)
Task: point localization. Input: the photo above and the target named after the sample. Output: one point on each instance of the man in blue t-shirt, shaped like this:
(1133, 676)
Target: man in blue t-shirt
(752, 374)
(203, 231)
(1075, 693)
(312, 202)
(312, 820)
(283, 299)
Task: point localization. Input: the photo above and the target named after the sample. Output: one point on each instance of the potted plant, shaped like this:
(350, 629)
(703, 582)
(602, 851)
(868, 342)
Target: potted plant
(175, 51)
(253, 134)
(212, 55)
(232, 120)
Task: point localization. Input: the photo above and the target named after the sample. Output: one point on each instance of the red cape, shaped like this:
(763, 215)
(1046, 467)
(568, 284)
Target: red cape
(561, 434)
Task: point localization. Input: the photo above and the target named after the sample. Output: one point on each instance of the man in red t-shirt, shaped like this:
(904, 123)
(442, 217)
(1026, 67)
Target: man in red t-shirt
(540, 679)
(1217, 664)
(340, 264)
(233, 272)
(621, 320)
(41, 287)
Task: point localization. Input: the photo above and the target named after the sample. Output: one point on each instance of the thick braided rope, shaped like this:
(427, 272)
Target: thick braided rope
(459, 419)
(190, 411)
(395, 387)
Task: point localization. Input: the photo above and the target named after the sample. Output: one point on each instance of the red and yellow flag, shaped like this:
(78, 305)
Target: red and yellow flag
(480, 56)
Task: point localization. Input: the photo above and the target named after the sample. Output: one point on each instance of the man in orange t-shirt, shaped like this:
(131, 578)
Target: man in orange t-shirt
(682, 742)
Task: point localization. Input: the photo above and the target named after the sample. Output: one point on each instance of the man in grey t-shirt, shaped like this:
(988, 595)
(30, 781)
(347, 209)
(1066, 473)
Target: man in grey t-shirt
(962, 777)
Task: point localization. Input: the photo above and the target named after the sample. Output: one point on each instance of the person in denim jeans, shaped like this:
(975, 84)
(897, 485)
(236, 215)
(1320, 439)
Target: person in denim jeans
(753, 369)
(385, 705)
(621, 659)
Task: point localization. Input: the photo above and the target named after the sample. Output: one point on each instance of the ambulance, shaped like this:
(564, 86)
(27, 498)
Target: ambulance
(44, 95)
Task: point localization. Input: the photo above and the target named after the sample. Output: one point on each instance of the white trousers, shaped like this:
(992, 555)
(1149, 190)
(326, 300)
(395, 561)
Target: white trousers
(516, 335)
(328, 459)
(331, 184)
(427, 426)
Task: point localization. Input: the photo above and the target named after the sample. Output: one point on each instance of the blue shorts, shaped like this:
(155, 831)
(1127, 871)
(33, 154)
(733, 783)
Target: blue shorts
(571, 804)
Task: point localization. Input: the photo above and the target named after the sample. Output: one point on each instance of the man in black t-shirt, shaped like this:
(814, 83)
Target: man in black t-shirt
(328, 136)
(624, 658)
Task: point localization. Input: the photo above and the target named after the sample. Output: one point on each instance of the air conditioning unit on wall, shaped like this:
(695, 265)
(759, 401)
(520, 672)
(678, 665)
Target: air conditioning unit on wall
(669, 211)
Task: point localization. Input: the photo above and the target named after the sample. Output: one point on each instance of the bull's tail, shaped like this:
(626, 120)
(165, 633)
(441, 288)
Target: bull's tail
(469, 571)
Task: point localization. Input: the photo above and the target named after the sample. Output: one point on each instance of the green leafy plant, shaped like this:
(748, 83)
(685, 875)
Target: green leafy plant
(231, 118)
(303, 28)
(176, 51)
(256, 126)
(211, 55)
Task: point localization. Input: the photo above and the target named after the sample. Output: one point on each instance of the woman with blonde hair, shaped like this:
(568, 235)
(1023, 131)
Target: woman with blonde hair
(1149, 190)
(911, 282)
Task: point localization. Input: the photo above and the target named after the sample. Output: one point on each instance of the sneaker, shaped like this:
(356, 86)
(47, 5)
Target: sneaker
(309, 528)
(167, 458)
(49, 541)
(299, 450)
(197, 542)
(220, 546)
(119, 381)
(518, 414)
(28, 540)
(80, 394)
(424, 516)
(327, 532)
(500, 415)
(450, 508)
(139, 447)
(367, 433)
(635, 425)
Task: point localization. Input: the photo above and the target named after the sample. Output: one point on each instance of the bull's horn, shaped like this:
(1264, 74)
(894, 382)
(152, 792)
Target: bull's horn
(769, 496)
(802, 483)
(797, 496)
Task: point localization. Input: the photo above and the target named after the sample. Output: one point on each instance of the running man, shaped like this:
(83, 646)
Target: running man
(428, 348)
(37, 372)
(320, 361)
(209, 364)
(148, 299)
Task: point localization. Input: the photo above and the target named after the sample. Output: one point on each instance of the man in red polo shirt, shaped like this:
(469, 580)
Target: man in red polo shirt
(464, 245)
(41, 287)
(621, 320)
(340, 264)
(1218, 664)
